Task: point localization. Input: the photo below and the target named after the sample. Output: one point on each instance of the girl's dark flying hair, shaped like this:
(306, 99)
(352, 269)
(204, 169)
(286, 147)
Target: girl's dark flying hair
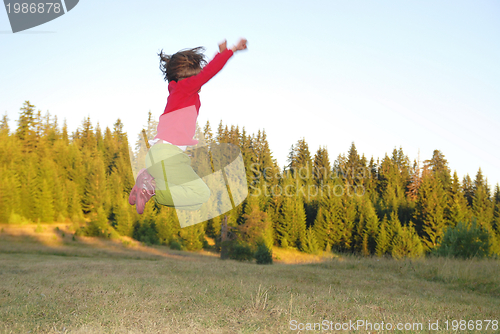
(183, 64)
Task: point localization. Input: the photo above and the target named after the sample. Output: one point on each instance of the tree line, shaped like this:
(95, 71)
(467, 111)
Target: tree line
(349, 203)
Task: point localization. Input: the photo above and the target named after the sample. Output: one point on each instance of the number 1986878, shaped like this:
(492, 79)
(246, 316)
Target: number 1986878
(34, 7)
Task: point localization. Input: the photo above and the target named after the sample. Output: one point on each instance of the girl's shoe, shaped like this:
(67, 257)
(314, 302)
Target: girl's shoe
(138, 185)
(145, 189)
(143, 196)
(133, 195)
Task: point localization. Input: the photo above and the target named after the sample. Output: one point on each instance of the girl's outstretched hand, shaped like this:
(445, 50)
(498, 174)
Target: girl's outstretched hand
(223, 46)
(241, 45)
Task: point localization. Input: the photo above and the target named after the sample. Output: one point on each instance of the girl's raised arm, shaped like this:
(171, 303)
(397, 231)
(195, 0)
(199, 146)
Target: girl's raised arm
(215, 65)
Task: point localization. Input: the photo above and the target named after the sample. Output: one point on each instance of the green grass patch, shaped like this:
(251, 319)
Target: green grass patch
(109, 286)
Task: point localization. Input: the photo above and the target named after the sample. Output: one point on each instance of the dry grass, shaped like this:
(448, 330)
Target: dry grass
(292, 256)
(102, 286)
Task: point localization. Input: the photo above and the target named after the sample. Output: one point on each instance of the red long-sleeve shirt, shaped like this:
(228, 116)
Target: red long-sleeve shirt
(177, 124)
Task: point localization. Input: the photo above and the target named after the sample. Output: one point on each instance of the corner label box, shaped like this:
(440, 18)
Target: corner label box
(26, 14)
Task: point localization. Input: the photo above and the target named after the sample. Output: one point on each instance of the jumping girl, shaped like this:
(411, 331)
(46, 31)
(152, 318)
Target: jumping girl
(183, 189)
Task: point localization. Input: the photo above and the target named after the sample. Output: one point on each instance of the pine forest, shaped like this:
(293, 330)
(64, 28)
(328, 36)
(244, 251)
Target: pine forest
(386, 206)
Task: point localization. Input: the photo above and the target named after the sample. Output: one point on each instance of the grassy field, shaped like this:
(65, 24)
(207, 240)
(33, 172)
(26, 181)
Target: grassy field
(50, 283)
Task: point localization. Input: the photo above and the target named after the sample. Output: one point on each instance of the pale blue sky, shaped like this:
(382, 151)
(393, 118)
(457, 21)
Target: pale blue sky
(384, 74)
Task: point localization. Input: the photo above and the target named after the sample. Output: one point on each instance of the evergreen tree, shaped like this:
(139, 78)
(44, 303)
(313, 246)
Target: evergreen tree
(10, 201)
(329, 226)
(60, 197)
(118, 133)
(99, 138)
(43, 191)
(458, 211)
(496, 210)
(234, 135)
(28, 186)
(263, 172)
(95, 186)
(348, 216)
(253, 168)
(367, 227)
(310, 244)
(354, 167)
(482, 206)
(44, 203)
(383, 241)
(389, 228)
(439, 166)
(495, 233)
(256, 227)
(292, 221)
(431, 204)
(403, 163)
(300, 162)
(321, 167)
(75, 212)
(26, 130)
(468, 189)
(415, 181)
(390, 201)
(301, 169)
(50, 129)
(393, 225)
(192, 237)
(207, 132)
(167, 225)
(38, 125)
(64, 134)
(406, 243)
(222, 135)
(213, 228)
(87, 139)
(4, 126)
(98, 225)
(26, 122)
(264, 157)
(122, 216)
(151, 126)
(394, 177)
(10, 161)
(370, 181)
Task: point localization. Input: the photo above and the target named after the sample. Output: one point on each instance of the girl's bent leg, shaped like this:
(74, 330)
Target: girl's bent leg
(183, 188)
(190, 193)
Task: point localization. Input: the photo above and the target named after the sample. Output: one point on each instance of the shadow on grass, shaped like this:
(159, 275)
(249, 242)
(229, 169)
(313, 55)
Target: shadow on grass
(58, 239)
